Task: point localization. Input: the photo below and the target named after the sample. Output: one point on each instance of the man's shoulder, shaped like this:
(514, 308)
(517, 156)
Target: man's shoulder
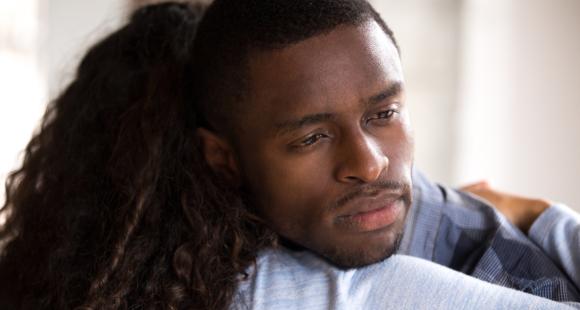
(287, 279)
(458, 230)
(440, 211)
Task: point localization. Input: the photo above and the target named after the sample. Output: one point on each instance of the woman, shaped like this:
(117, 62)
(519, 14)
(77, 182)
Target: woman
(113, 206)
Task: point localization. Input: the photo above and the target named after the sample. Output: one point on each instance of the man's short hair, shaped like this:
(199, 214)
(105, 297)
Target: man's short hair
(232, 29)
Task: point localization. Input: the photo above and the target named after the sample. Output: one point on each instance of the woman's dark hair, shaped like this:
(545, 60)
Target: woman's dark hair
(114, 206)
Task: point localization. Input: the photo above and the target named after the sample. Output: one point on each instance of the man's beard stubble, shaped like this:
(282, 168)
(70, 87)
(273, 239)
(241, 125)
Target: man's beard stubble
(343, 259)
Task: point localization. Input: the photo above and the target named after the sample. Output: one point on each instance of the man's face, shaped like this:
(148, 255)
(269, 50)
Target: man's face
(325, 148)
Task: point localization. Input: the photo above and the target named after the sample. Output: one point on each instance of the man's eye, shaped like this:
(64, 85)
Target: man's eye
(384, 115)
(312, 139)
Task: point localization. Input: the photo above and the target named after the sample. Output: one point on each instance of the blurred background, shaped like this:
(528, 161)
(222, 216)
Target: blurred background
(493, 85)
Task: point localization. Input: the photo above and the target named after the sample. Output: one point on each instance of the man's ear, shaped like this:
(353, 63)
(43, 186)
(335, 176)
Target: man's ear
(219, 155)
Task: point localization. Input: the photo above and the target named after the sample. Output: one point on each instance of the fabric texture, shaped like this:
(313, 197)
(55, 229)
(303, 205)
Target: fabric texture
(557, 232)
(457, 230)
(285, 279)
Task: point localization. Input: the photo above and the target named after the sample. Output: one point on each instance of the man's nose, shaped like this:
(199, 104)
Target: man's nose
(361, 160)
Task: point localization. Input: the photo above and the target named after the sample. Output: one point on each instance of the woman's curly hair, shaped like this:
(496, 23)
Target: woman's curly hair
(113, 206)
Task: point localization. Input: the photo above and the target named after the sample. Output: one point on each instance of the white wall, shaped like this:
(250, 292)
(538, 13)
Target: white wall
(41, 42)
(428, 33)
(519, 119)
(494, 88)
(71, 27)
(22, 88)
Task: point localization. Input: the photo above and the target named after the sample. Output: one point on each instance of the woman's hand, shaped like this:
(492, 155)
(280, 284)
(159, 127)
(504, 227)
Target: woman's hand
(521, 211)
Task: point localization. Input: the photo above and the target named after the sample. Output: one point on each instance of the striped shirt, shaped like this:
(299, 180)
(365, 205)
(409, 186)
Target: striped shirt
(457, 230)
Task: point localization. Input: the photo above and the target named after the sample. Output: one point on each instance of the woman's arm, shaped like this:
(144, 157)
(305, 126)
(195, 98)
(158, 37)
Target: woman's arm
(520, 211)
(553, 227)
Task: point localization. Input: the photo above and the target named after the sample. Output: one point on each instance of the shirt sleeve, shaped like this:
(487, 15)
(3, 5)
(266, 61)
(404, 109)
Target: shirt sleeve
(557, 232)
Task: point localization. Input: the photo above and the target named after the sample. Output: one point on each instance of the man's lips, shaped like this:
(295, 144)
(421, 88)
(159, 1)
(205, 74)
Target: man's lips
(369, 214)
(370, 202)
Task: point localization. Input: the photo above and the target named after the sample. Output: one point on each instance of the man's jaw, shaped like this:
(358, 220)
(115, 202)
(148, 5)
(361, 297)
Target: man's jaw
(358, 250)
(346, 261)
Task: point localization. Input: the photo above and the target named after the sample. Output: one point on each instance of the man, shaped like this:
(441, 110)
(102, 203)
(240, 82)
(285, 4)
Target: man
(324, 146)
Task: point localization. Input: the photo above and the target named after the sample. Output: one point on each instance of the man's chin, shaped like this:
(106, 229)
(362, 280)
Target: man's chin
(350, 259)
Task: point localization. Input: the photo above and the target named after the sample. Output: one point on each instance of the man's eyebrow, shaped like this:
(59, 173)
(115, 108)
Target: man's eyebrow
(285, 127)
(392, 90)
(291, 125)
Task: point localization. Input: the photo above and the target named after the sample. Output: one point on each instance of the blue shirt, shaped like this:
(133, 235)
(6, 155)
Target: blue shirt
(557, 232)
(457, 230)
(290, 280)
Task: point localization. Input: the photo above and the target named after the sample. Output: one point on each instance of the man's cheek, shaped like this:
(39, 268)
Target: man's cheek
(286, 220)
(298, 214)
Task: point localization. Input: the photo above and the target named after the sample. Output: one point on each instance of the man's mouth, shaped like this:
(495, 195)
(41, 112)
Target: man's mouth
(372, 214)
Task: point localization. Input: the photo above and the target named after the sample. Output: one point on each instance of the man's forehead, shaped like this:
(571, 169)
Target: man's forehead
(348, 63)
(325, 51)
